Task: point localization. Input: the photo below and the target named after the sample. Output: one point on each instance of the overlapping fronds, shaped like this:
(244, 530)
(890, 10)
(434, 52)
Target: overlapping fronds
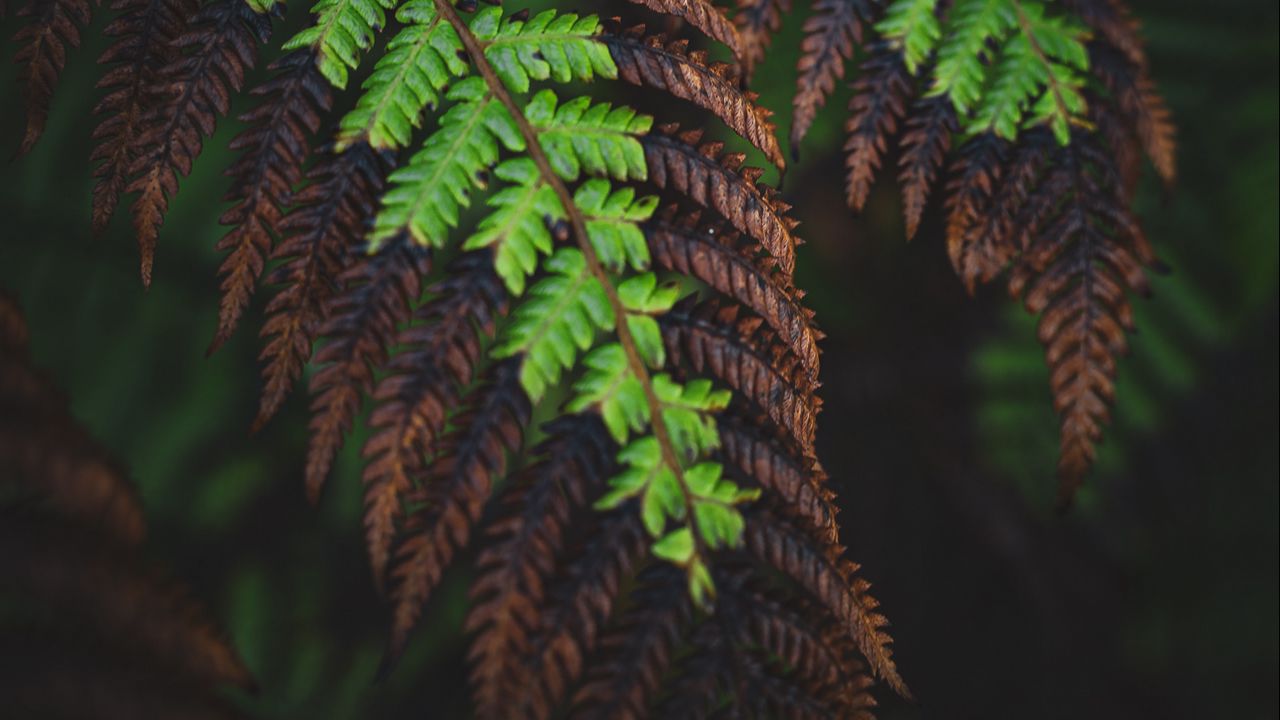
(1084, 254)
(89, 630)
(702, 14)
(143, 34)
(757, 21)
(1002, 214)
(1005, 64)
(361, 322)
(670, 350)
(649, 61)
(988, 88)
(331, 209)
(274, 145)
(440, 355)
(831, 34)
(211, 57)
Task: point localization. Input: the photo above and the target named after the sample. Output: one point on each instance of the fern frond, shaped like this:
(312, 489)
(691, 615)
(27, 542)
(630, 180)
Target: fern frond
(730, 346)
(997, 235)
(975, 172)
(1004, 64)
(819, 655)
(831, 582)
(361, 322)
(419, 63)
(441, 354)
(650, 61)
(277, 143)
(757, 22)
(963, 54)
(879, 102)
(912, 28)
(1086, 255)
(566, 310)
(636, 654)
(924, 146)
(739, 268)
(528, 542)
(702, 14)
(1136, 99)
(145, 30)
(455, 490)
(428, 193)
(54, 26)
(671, 416)
(1048, 53)
(273, 149)
(275, 146)
(830, 36)
(727, 672)
(212, 56)
(717, 181)
(572, 620)
(795, 482)
(341, 32)
(331, 210)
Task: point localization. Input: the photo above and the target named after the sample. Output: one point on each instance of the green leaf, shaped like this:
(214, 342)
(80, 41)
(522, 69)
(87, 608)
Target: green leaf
(701, 588)
(675, 547)
(644, 297)
(547, 46)
(343, 30)
(427, 194)
(419, 63)
(613, 389)
(612, 218)
(1004, 64)
(961, 70)
(559, 319)
(686, 412)
(912, 26)
(597, 139)
(719, 525)
(518, 225)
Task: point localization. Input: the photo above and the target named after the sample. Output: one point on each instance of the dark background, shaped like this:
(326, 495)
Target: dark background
(1156, 597)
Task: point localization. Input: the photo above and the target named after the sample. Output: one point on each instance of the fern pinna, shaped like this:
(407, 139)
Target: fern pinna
(667, 544)
(1007, 90)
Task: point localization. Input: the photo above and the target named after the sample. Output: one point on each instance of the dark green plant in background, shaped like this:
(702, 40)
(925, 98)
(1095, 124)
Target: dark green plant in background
(468, 240)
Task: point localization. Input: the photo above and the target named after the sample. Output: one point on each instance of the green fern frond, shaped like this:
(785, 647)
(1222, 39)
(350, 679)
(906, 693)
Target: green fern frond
(613, 219)
(1005, 64)
(548, 46)
(963, 58)
(429, 191)
(517, 224)
(558, 320)
(343, 30)
(592, 302)
(598, 138)
(419, 63)
(912, 26)
(1051, 54)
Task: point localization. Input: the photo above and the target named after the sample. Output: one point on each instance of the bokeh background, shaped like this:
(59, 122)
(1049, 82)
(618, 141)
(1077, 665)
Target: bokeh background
(1155, 597)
